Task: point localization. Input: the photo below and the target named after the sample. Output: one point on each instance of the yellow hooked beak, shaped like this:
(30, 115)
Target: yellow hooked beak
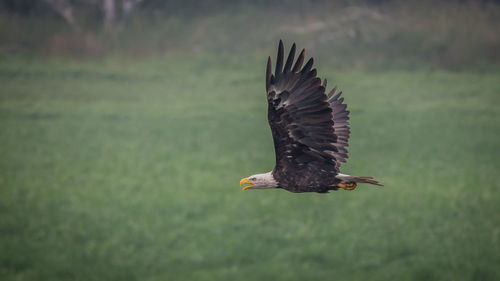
(246, 181)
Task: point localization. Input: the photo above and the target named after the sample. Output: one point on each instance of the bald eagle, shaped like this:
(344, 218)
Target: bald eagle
(310, 131)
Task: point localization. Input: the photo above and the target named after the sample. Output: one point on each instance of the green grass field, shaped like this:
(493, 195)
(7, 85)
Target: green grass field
(129, 171)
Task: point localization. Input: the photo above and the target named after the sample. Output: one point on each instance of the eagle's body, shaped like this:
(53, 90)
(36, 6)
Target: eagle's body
(310, 130)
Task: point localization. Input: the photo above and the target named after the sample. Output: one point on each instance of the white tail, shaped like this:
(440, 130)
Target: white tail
(348, 178)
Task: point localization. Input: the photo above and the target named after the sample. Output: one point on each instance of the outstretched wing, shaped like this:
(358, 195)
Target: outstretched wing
(340, 124)
(308, 126)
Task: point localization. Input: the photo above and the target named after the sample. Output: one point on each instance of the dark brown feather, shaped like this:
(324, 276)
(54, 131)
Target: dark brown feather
(279, 60)
(302, 119)
(289, 61)
(310, 129)
(300, 61)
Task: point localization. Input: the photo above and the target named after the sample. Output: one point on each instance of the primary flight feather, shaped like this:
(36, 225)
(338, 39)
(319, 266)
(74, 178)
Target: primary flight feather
(310, 130)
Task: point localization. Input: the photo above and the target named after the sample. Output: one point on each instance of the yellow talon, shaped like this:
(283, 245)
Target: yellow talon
(347, 186)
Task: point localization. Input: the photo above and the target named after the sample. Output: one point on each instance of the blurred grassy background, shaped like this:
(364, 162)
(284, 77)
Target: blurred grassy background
(121, 149)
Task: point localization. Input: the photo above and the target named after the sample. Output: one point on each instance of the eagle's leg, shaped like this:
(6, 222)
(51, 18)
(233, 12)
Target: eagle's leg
(347, 186)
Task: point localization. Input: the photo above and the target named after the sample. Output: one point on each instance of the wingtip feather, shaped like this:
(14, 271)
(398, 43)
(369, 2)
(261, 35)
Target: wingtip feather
(268, 73)
(279, 60)
(308, 66)
(289, 60)
(300, 61)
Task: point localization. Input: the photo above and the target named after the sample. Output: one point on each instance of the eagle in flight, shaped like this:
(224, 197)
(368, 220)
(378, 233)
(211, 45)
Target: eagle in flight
(310, 130)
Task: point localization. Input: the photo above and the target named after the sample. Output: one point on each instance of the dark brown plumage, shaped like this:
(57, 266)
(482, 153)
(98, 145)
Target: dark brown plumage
(310, 128)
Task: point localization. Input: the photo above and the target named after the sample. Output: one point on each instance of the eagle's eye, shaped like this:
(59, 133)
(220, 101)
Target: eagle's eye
(253, 179)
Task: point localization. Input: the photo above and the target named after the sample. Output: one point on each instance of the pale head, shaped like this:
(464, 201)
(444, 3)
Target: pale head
(259, 181)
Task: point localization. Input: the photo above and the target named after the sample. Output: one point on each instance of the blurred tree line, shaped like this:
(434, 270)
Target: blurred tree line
(452, 34)
(115, 12)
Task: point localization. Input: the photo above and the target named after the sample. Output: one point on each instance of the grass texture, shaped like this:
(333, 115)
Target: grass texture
(129, 171)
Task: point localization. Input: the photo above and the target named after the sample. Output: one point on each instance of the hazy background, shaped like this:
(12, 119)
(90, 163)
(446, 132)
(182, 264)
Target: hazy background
(453, 35)
(126, 125)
